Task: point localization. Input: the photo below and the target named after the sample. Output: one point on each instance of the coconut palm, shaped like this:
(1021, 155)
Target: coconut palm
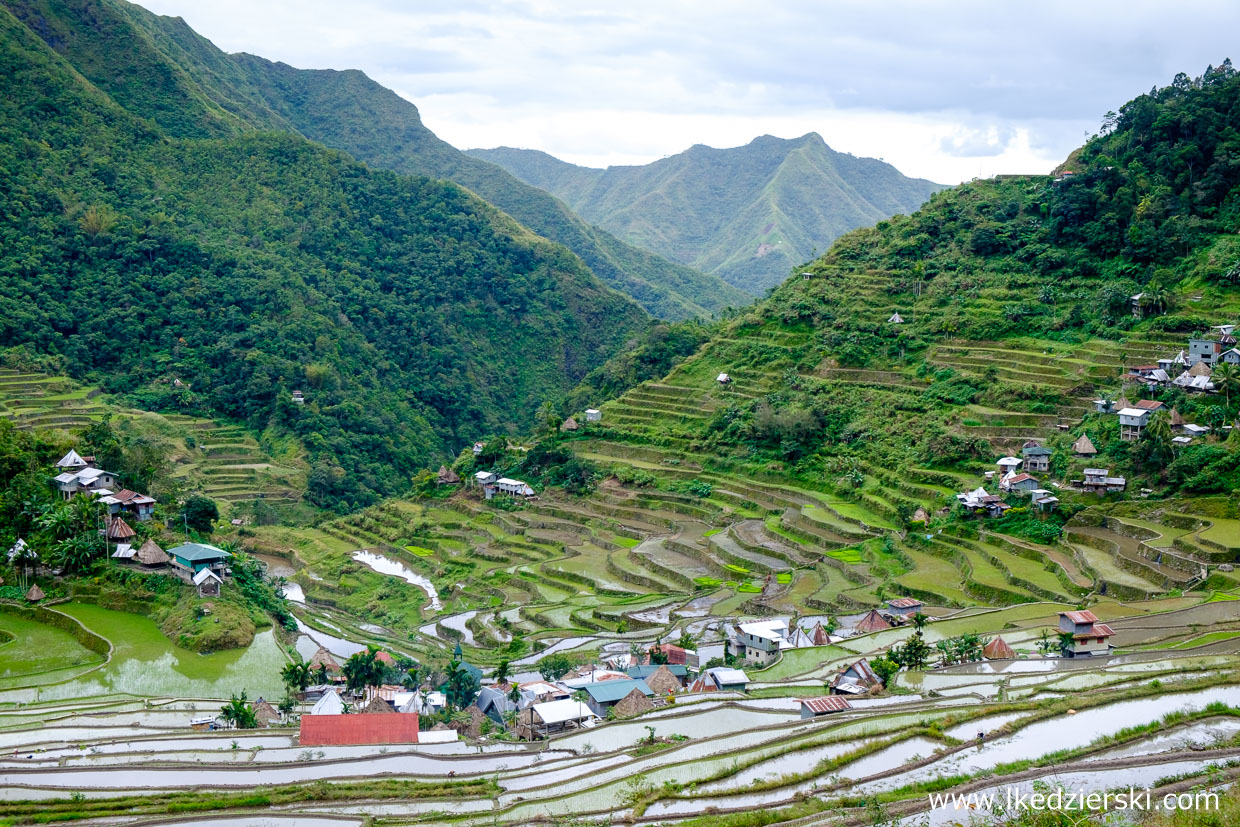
(1159, 430)
(296, 676)
(238, 713)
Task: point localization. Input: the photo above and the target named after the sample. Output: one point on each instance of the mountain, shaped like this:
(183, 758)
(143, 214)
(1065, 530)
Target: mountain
(748, 215)
(915, 352)
(155, 65)
(150, 233)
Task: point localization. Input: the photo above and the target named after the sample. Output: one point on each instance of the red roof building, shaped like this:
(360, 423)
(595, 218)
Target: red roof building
(872, 622)
(675, 654)
(348, 730)
(1147, 404)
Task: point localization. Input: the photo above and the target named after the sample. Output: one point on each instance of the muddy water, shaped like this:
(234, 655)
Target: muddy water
(385, 565)
(294, 592)
(559, 646)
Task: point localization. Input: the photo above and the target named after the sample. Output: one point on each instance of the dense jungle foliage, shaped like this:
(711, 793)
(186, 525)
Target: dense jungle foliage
(413, 315)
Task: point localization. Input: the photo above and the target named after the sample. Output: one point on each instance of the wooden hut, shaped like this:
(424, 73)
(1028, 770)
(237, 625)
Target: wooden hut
(151, 555)
(872, 622)
(633, 703)
(324, 659)
(377, 706)
(264, 713)
(662, 681)
(1084, 447)
(119, 531)
(569, 424)
(35, 594)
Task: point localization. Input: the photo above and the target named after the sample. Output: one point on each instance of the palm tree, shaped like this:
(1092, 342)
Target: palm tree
(501, 672)
(238, 713)
(919, 621)
(296, 676)
(1159, 430)
(514, 694)
(1226, 378)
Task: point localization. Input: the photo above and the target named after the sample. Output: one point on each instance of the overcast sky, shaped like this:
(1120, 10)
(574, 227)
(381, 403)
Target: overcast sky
(946, 91)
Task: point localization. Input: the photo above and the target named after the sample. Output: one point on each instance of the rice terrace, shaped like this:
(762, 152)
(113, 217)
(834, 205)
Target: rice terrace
(349, 479)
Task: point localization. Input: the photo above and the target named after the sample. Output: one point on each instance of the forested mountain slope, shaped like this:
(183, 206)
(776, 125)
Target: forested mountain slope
(747, 214)
(414, 315)
(159, 68)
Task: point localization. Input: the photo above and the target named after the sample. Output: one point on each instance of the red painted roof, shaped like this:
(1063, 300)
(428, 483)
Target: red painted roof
(827, 703)
(384, 657)
(1148, 404)
(904, 603)
(872, 622)
(1081, 617)
(1097, 630)
(338, 730)
(676, 655)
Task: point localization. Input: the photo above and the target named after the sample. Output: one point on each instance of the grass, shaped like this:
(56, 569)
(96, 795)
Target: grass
(418, 551)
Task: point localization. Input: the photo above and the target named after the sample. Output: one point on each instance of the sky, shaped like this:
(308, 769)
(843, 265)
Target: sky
(943, 90)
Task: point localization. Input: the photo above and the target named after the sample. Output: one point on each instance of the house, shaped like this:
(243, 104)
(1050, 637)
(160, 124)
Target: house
(151, 555)
(316, 691)
(1138, 305)
(798, 638)
(1064, 176)
(856, 680)
(998, 649)
(328, 704)
(194, 557)
(896, 318)
(674, 655)
(1177, 419)
(1084, 447)
(979, 501)
(1231, 357)
(725, 679)
(1098, 481)
(759, 642)
(208, 583)
(264, 713)
(1132, 422)
(72, 461)
(663, 679)
(1089, 636)
(298, 398)
(1174, 363)
(322, 659)
(905, 606)
(1190, 382)
(1195, 430)
(87, 479)
(495, 702)
(1007, 465)
(1036, 457)
(541, 692)
(1181, 440)
(130, 503)
(321, 730)
(556, 716)
(1148, 405)
(820, 635)
(1103, 405)
(35, 594)
(603, 695)
(723, 379)
(1043, 500)
(447, 476)
(813, 707)
(484, 478)
(516, 488)
(126, 552)
(569, 424)
(872, 622)
(593, 415)
(1204, 350)
(1019, 483)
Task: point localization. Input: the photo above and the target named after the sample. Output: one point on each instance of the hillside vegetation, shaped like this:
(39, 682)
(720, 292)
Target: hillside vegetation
(747, 214)
(412, 314)
(159, 68)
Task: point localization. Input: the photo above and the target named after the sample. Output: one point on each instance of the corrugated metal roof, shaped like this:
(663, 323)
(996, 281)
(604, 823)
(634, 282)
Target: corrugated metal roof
(1081, 616)
(607, 692)
(827, 703)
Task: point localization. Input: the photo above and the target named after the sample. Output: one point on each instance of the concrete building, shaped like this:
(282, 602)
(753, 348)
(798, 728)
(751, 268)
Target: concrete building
(1090, 637)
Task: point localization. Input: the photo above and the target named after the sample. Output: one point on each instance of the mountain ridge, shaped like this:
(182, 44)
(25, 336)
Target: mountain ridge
(748, 214)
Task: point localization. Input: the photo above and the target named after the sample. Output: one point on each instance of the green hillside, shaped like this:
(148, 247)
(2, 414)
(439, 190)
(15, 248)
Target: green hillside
(159, 68)
(414, 315)
(747, 214)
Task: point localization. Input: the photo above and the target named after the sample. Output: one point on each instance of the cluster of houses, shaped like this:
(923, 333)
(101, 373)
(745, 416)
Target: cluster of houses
(1135, 417)
(1189, 369)
(492, 485)
(760, 642)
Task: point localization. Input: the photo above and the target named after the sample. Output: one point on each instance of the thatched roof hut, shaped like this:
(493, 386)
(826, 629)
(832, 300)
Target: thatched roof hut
(998, 649)
(1177, 419)
(633, 703)
(264, 713)
(447, 476)
(324, 658)
(662, 681)
(377, 706)
(35, 594)
(1084, 447)
(569, 424)
(150, 554)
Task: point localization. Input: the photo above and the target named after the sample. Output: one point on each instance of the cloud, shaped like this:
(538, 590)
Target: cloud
(963, 81)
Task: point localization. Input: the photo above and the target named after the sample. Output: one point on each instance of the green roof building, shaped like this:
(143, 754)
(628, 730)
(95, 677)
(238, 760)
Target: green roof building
(198, 556)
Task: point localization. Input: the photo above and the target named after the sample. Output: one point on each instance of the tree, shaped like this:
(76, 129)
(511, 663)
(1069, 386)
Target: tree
(287, 704)
(238, 713)
(501, 672)
(884, 667)
(555, 666)
(686, 641)
(363, 670)
(200, 513)
(1045, 644)
(514, 694)
(296, 676)
(920, 621)
(1226, 378)
(462, 687)
(1066, 642)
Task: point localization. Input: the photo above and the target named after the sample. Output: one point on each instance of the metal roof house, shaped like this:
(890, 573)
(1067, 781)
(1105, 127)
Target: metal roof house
(729, 679)
(195, 557)
(813, 707)
(603, 695)
(1090, 637)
